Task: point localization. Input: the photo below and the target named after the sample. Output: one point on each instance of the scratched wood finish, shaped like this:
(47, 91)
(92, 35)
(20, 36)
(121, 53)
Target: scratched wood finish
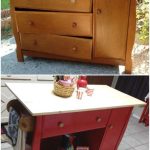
(56, 5)
(59, 45)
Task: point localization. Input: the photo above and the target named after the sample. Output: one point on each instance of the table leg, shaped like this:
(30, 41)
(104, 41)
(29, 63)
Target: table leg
(37, 134)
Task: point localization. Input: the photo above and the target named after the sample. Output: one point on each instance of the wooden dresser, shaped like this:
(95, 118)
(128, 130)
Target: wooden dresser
(96, 31)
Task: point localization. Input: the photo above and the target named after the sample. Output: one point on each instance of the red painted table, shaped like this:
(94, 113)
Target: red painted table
(99, 121)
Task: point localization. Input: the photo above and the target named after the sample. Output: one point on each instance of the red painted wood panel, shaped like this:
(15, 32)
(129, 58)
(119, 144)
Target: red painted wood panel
(115, 128)
(37, 134)
(91, 138)
(104, 134)
(74, 122)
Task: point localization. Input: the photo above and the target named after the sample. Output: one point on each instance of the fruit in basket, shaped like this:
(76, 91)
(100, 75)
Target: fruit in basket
(65, 82)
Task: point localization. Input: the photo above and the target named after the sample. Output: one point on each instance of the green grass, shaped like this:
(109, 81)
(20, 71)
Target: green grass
(5, 4)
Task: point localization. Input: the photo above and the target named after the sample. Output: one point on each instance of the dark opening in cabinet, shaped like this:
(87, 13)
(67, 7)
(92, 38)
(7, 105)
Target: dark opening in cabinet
(91, 139)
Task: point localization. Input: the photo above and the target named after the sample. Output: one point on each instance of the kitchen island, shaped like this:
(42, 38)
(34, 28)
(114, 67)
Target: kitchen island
(99, 120)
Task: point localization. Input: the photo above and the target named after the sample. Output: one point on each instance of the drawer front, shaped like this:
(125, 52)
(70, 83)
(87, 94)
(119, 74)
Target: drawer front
(58, 45)
(74, 122)
(74, 24)
(56, 5)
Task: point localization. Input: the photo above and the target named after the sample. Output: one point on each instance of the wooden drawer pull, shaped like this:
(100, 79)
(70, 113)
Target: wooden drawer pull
(60, 124)
(98, 119)
(74, 25)
(99, 11)
(75, 49)
(31, 23)
(110, 126)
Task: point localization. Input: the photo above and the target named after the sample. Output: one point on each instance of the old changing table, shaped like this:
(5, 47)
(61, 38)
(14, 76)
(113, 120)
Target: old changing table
(96, 31)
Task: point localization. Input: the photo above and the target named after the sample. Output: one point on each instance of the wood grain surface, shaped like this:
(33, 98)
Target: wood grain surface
(56, 5)
(111, 26)
(59, 45)
(74, 24)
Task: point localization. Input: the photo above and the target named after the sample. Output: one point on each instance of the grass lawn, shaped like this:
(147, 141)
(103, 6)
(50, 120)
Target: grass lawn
(5, 4)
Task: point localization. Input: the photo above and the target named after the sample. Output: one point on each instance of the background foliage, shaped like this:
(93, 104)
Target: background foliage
(5, 4)
(143, 21)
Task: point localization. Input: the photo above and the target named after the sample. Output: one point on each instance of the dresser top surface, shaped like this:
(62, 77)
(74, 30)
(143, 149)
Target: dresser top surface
(39, 99)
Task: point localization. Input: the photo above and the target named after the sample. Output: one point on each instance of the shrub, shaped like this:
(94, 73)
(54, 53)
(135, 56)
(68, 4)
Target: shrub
(142, 17)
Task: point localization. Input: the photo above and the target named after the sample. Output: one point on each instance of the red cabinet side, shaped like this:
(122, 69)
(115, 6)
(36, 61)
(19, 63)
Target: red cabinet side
(37, 134)
(115, 128)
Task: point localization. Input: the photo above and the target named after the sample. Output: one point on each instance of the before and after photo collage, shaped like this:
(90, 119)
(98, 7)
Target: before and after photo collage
(74, 74)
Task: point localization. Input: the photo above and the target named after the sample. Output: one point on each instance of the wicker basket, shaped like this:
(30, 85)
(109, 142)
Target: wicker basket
(62, 91)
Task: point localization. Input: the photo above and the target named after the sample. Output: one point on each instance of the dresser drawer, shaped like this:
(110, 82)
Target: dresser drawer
(59, 45)
(56, 5)
(74, 122)
(74, 24)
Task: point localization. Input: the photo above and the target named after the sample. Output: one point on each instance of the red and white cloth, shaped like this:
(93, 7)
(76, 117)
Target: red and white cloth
(82, 91)
(89, 92)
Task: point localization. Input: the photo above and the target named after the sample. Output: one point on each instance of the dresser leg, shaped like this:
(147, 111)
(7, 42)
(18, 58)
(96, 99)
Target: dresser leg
(128, 66)
(20, 57)
(37, 134)
(131, 36)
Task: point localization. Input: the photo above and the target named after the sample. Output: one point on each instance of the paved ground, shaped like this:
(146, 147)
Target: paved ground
(136, 136)
(140, 57)
(31, 65)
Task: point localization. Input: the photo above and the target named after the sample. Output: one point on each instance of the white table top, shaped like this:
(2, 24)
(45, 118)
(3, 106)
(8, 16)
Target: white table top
(39, 99)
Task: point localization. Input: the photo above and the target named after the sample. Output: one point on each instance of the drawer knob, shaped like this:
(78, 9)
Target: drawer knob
(74, 24)
(75, 49)
(99, 11)
(60, 124)
(30, 23)
(110, 126)
(98, 119)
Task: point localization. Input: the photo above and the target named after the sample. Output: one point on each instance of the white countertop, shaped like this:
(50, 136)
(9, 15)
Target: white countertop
(39, 99)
